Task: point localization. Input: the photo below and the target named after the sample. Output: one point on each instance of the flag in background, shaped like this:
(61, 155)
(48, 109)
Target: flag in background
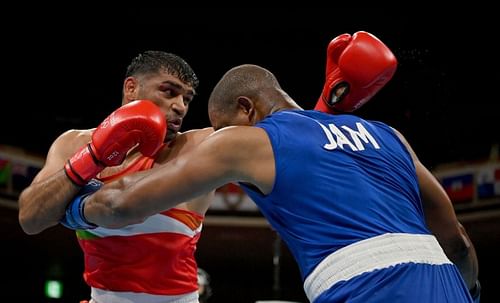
(488, 182)
(231, 197)
(460, 188)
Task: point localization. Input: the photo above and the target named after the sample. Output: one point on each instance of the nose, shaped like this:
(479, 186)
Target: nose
(178, 105)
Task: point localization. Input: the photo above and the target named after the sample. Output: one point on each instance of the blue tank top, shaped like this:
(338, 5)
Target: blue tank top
(339, 179)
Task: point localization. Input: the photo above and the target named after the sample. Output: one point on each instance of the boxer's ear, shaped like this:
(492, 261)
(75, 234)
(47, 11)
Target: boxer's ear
(245, 104)
(130, 89)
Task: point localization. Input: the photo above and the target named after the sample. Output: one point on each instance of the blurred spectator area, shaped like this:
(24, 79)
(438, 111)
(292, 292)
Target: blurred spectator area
(17, 170)
(470, 185)
(245, 258)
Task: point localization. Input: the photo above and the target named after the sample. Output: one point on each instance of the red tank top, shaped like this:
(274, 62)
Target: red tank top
(154, 257)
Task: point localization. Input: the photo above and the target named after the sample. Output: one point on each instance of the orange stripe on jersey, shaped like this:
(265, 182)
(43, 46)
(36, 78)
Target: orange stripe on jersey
(191, 219)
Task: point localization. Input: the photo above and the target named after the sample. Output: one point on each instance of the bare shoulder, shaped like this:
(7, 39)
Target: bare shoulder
(240, 140)
(77, 134)
(228, 143)
(63, 148)
(242, 134)
(184, 142)
(246, 152)
(196, 135)
(70, 141)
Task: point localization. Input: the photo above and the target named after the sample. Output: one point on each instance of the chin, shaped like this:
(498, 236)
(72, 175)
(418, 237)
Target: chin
(170, 136)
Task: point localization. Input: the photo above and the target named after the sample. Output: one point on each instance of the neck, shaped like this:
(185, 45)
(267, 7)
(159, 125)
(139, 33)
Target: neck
(280, 107)
(286, 102)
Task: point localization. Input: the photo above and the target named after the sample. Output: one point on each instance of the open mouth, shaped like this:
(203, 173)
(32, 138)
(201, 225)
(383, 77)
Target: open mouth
(174, 124)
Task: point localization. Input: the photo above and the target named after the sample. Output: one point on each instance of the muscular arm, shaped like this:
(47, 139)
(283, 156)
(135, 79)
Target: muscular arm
(231, 154)
(443, 223)
(42, 204)
(192, 139)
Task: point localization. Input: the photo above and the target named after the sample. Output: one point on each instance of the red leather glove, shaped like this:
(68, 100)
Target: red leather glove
(362, 65)
(139, 123)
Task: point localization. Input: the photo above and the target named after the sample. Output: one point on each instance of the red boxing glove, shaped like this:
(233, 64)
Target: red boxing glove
(139, 123)
(357, 67)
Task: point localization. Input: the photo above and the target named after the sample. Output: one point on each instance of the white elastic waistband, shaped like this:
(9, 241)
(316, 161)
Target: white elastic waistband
(107, 296)
(371, 254)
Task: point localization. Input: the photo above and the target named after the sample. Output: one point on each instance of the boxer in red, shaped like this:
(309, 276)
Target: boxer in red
(149, 262)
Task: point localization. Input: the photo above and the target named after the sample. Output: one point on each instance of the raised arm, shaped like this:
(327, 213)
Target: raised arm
(42, 204)
(140, 123)
(443, 222)
(231, 154)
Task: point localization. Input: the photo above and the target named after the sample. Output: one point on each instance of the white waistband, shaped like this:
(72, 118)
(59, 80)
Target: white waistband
(107, 296)
(371, 254)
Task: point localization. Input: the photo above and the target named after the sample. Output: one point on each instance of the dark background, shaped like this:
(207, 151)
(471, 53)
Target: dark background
(69, 67)
(64, 68)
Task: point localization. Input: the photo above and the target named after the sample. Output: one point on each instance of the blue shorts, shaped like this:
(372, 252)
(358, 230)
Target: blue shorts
(408, 282)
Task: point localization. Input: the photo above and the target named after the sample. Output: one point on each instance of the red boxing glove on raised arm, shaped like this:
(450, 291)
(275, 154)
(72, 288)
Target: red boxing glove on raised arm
(362, 65)
(139, 123)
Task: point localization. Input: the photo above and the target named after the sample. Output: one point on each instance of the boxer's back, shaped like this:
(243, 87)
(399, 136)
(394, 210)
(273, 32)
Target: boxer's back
(355, 181)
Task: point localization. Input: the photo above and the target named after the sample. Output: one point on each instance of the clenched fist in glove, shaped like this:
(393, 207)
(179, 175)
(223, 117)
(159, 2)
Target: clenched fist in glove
(357, 67)
(140, 123)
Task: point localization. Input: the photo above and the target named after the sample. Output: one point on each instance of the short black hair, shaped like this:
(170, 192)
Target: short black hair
(151, 61)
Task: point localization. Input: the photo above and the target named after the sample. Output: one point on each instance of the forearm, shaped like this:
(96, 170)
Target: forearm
(465, 259)
(458, 247)
(42, 204)
(134, 198)
(442, 221)
(110, 206)
(454, 240)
